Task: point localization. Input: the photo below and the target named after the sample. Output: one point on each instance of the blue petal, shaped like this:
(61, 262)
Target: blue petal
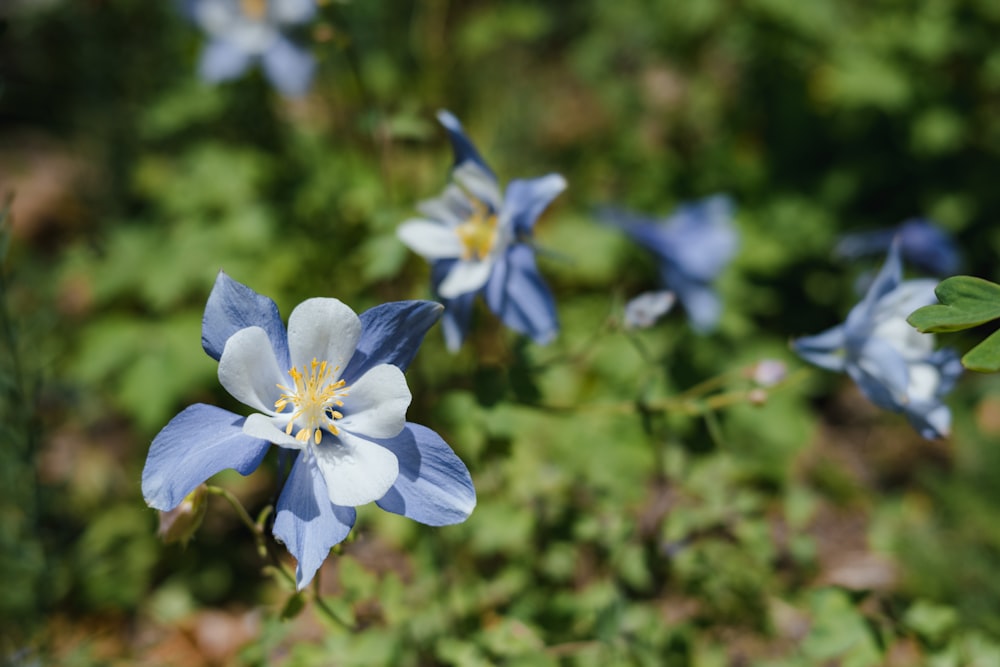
(928, 247)
(434, 486)
(307, 522)
(457, 318)
(222, 60)
(391, 334)
(645, 231)
(889, 276)
(196, 444)
(288, 67)
(700, 301)
(525, 200)
(931, 421)
(858, 244)
(463, 149)
(922, 243)
(949, 365)
(519, 296)
(826, 350)
(699, 238)
(233, 306)
(882, 375)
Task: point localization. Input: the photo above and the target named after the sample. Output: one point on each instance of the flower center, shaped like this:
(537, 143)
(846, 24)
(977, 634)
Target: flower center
(254, 10)
(314, 400)
(478, 233)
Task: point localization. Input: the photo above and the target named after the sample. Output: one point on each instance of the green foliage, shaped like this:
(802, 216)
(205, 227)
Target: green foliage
(966, 302)
(640, 500)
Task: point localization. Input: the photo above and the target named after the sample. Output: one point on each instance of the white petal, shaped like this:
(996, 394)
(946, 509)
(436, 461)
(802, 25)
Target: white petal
(249, 371)
(452, 207)
(430, 240)
(376, 404)
(355, 470)
(270, 429)
(465, 277)
(924, 382)
(479, 183)
(323, 329)
(910, 343)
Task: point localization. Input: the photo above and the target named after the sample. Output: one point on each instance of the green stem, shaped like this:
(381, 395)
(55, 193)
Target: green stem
(276, 568)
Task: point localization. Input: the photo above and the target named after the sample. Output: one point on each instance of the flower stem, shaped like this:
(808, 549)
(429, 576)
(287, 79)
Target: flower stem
(276, 568)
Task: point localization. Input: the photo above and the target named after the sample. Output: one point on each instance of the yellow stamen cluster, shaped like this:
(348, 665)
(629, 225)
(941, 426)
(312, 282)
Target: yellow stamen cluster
(315, 399)
(254, 9)
(478, 233)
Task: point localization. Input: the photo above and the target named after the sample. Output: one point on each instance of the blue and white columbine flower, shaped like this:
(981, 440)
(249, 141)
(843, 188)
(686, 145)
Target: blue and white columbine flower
(921, 242)
(244, 31)
(478, 241)
(893, 364)
(692, 247)
(331, 390)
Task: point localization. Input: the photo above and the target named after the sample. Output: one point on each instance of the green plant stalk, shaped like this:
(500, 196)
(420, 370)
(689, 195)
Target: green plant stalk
(276, 568)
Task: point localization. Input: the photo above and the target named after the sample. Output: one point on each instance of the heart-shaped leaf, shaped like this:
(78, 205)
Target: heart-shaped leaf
(965, 302)
(984, 357)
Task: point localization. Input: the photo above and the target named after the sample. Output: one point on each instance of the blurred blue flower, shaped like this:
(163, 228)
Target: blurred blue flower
(332, 391)
(893, 364)
(244, 31)
(478, 242)
(692, 247)
(921, 242)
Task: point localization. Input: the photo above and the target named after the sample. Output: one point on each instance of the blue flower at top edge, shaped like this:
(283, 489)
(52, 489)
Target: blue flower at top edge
(244, 32)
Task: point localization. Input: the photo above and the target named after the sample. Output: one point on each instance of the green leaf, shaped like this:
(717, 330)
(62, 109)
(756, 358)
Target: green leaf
(293, 606)
(965, 302)
(985, 357)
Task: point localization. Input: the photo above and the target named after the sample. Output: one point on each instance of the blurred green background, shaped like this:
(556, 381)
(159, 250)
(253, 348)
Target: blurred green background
(807, 530)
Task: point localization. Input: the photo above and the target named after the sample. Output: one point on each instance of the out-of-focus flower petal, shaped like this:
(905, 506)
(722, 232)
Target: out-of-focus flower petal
(922, 243)
(288, 67)
(466, 276)
(196, 444)
(463, 149)
(701, 303)
(525, 200)
(827, 350)
(700, 237)
(292, 12)
(519, 296)
(479, 182)
(430, 240)
(306, 522)
(221, 60)
(646, 309)
(434, 486)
